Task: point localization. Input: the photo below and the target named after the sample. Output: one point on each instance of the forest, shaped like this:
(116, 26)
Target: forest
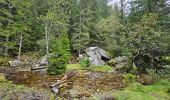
(84, 49)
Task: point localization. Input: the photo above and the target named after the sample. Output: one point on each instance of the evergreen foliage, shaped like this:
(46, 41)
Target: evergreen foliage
(134, 28)
(60, 56)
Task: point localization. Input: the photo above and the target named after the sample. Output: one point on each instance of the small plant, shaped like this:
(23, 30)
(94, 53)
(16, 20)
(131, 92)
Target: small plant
(129, 79)
(84, 62)
(137, 87)
(2, 78)
(4, 60)
(153, 74)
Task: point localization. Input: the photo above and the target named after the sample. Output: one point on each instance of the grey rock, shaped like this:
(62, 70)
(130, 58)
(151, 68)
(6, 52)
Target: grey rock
(105, 54)
(95, 57)
(43, 60)
(16, 63)
(119, 62)
(121, 59)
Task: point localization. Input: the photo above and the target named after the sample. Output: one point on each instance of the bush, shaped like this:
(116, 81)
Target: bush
(153, 74)
(165, 72)
(84, 62)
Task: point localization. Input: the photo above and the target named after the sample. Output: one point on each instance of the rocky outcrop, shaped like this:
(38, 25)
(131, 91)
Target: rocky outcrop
(97, 56)
(119, 62)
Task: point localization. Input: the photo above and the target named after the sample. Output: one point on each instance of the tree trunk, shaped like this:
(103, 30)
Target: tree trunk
(79, 49)
(7, 37)
(6, 45)
(122, 10)
(46, 39)
(20, 46)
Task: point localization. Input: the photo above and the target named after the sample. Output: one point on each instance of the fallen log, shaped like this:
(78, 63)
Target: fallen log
(38, 67)
(55, 87)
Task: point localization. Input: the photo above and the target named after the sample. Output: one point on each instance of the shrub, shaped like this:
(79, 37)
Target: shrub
(153, 74)
(84, 62)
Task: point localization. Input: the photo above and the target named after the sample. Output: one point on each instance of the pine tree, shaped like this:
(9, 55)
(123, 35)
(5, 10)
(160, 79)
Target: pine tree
(6, 19)
(61, 44)
(57, 61)
(61, 54)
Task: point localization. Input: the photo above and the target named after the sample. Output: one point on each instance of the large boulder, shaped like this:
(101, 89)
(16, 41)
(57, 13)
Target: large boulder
(96, 56)
(119, 62)
(105, 54)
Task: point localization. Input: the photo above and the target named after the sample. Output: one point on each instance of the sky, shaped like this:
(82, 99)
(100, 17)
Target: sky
(126, 4)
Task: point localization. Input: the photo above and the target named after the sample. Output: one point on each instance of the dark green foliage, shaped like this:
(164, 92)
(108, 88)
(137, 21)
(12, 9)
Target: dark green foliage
(57, 64)
(60, 56)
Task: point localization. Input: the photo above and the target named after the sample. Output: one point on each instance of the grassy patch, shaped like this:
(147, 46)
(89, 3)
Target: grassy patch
(92, 68)
(157, 91)
(74, 66)
(101, 68)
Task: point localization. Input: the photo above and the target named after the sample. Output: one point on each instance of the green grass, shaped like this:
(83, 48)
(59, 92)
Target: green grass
(137, 91)
(73, 66)
(101, 68)
(92, 68)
